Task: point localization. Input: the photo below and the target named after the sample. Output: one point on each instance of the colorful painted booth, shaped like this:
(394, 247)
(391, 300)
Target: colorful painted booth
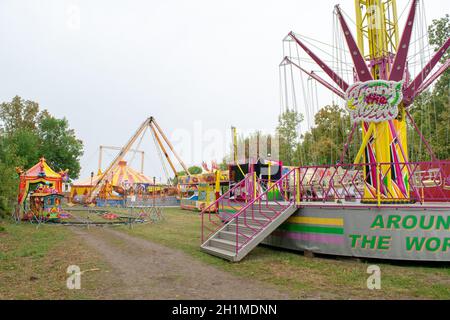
(38, 176)
(199, 191)
(45, 205)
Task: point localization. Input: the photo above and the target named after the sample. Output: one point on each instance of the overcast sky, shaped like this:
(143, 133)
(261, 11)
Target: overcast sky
(197, 66)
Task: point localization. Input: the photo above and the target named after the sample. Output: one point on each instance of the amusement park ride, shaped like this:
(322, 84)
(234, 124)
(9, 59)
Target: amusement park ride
(40, 193)
(195, 191)
(380, 206)
(103, 183)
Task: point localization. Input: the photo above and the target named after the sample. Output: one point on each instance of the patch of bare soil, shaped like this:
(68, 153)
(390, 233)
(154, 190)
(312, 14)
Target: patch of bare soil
(141, 269)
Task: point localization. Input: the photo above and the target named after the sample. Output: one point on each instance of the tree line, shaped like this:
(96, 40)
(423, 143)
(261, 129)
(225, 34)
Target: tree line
(26, 134)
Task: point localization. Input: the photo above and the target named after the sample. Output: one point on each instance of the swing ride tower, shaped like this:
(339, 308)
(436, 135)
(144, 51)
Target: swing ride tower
(382, 92)
(377, 40)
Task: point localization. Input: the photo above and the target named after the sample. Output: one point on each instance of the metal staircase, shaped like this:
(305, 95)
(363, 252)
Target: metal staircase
(241, 226)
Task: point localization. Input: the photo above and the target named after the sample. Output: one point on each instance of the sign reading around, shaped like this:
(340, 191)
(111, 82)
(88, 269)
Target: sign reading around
(402, 234)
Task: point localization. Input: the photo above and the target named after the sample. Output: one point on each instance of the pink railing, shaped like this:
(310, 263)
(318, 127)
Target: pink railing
(370, 183)
(252, 217)
(231, 201)
(256, 215)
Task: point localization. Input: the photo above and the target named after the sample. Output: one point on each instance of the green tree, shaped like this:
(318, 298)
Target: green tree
(59, 145)
(439, 32)
(287, 131)
(192, 170)
(431, 110)
(19, 114)
(195, 170)
(26, 133)
(8, 176)
(324, 143)
(24, 144)
(224, 164)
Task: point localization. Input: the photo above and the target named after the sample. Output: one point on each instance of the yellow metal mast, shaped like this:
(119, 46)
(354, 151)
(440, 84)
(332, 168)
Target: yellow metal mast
(377, 31)
(378, 40)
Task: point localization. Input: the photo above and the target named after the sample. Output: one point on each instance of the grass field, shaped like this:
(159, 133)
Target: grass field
(304, 277)
(33, 263)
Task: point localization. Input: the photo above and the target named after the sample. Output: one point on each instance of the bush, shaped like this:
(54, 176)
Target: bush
(8, 188)
(5, 208)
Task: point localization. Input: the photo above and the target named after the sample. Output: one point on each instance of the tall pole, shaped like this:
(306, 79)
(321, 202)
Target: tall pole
(235, 150)
(384, 142)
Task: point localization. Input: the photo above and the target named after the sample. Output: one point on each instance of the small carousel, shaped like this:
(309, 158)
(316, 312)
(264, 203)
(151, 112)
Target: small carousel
(40, 193)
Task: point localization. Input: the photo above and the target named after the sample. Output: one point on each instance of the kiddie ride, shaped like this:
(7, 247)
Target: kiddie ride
(40, 194)
(380, 206)
(200, 190)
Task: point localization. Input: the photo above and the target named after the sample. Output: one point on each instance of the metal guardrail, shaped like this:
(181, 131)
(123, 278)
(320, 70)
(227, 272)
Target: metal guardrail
(229, 201)
(382, 183)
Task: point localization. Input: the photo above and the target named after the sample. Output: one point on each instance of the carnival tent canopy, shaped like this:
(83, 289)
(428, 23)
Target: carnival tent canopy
(41, 169)
(39, 173)
(122, 175)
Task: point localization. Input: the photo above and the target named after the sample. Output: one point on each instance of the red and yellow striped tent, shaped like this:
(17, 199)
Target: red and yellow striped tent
(40, 173)
(125, 175)
(122, 176)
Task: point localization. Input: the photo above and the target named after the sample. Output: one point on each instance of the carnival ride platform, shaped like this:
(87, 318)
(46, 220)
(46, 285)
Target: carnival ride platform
(324, 210)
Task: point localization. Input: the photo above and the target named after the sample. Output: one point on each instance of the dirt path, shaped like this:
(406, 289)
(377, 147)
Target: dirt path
(145, 270)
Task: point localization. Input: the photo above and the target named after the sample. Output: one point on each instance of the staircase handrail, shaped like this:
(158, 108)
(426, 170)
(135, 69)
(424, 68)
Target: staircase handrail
(217, 202)
(256, 230)
(258, 198)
